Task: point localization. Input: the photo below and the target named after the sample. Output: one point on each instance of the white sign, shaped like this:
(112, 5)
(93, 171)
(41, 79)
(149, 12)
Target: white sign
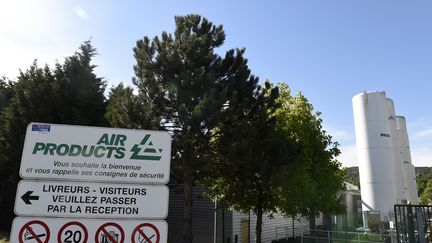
(82, 153)
(91, 200)
(75, 230)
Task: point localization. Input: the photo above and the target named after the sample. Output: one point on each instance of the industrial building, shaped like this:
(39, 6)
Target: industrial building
(212, 225)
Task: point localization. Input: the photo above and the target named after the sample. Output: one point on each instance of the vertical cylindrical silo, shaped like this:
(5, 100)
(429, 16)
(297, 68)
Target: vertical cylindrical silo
(413, 187)
(398, 175)
(375, 151)
(408, 173)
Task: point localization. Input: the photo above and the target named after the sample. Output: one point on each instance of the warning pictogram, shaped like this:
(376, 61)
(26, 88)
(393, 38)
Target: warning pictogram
(34, 231)
(72, 232)
(110, 233)
(146, 233)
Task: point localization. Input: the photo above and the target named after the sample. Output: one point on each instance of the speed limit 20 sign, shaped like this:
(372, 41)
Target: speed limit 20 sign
(73, 232)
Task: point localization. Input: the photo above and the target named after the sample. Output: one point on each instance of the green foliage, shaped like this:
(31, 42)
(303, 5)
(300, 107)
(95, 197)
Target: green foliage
(352, 175)
(6, 87)
(314, 180)
(252, 158)
(70, 93)
(127, 110)
(423, 176)
(32, 101)
(78, 92)
(426, 196)
(276, 158)
(249, 156)
(186, 87)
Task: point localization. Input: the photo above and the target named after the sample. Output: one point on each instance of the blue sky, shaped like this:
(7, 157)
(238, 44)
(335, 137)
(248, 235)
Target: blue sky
(329, 50)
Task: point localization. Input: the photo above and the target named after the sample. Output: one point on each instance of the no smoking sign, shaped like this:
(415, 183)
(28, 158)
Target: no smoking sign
(34, 231)
(146, 233)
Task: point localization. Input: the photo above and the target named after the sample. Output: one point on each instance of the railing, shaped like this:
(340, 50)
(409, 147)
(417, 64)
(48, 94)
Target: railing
(413, 223)
(325, 236)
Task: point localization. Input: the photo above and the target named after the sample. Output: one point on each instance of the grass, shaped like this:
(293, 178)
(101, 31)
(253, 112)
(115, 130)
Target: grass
(4, 237)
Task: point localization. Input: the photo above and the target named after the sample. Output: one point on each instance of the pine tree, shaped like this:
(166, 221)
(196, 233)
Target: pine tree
(69, 94)
(188, 86)
(79, 93)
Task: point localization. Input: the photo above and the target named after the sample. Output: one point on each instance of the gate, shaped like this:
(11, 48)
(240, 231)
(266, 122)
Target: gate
(413, 223)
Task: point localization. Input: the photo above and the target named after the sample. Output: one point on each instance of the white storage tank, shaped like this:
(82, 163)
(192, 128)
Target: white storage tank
(413, 187)
(408, 169)
(375, 149)
(398, 175)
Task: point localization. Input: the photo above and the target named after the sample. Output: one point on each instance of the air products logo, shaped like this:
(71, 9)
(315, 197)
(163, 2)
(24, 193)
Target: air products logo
(145, 150)
(107, 146)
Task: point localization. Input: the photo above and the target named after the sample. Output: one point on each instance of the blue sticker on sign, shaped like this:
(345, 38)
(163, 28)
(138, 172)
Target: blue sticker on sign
(41, 128)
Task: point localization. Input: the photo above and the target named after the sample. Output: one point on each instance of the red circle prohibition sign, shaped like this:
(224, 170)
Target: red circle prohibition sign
(84, 229)
(33, 235)
(102, 229)
(148, 239)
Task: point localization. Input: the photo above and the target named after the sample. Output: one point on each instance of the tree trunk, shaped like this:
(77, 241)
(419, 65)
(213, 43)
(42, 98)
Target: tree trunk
(187, 213)
(258, 228)
(312, 228)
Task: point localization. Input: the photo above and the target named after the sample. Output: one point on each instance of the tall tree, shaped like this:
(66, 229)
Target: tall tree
(79, 93)
(188, 85)
(33, 100)
(69, 94)
(252, 158)
(284, 161)
(317, 177)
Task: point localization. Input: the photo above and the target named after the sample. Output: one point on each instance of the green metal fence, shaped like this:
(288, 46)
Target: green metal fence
(413, 223)
(323, 236)
(326, 236)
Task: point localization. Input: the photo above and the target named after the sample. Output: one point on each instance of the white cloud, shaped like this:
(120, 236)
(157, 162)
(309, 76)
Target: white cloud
(20, 56)
(78, 10)
(424, 133)
(348, 156)
(421, 156)
(338, 135)
(346, 140)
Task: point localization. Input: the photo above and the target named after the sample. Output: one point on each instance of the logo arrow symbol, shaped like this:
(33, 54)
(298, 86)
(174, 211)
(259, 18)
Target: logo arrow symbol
(27, 197)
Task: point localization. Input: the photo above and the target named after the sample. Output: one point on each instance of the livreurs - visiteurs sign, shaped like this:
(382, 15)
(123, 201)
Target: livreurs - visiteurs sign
(96, 154)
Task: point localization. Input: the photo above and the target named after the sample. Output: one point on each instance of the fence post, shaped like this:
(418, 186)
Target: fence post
(302, 236)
